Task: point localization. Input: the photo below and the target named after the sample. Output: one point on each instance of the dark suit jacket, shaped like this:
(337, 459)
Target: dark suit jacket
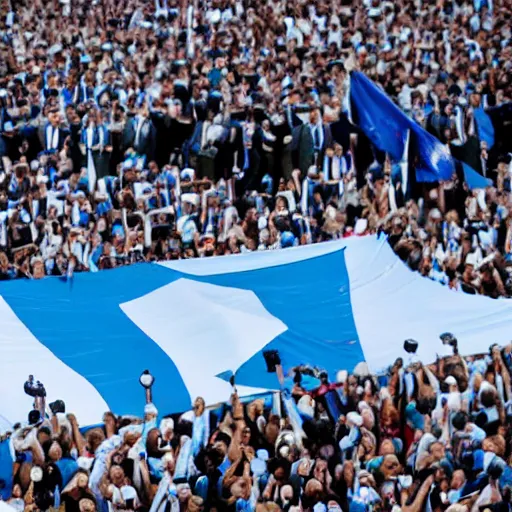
(303, 151)
(303, 147)
(327, 142)
(63, 134)
(236, 145)
(147, 140)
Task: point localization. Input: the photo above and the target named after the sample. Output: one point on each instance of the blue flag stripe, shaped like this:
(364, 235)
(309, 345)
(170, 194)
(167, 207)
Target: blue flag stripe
(84, 327)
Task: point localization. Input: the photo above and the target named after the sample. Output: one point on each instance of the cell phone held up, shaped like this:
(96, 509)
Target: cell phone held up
(272, 359)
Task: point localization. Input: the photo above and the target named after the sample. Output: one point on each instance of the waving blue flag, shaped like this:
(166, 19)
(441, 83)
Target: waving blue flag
(386, 126)
(379, 118)
(473, 179)
(484, 127)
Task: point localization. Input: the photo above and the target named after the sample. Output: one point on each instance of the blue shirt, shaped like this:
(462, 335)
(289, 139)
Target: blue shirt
(68, 467)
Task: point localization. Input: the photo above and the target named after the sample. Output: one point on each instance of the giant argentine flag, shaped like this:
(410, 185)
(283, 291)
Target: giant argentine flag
(194, 322)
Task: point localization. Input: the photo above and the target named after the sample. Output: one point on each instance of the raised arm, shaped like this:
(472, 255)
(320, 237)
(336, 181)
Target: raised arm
(78, 438)
(234, 451)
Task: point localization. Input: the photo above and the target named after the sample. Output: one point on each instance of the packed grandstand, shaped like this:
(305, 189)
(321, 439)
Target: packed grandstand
(133, 131)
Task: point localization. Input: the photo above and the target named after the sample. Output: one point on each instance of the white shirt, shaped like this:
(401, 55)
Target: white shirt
(334, 37)
(52, 137)
(140, 124)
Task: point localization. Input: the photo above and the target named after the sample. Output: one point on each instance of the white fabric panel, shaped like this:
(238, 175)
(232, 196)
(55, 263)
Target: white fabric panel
(5, 425)
(18, 350)
(205, 330)
(392, 303)
(250, 261)
(5, 507)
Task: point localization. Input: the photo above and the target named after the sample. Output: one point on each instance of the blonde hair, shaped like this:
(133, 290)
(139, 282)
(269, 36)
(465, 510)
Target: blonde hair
(268, 506)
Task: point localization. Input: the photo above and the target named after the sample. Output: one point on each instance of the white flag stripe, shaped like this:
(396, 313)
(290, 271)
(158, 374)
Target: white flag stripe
(22, 355)
(251, 261)
(205, 329)
(383, 290)
(404, 164)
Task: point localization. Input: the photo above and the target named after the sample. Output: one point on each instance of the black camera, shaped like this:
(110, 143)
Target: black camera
(410, 346)
(272, 359)
(34, 388)
(57, 406)
(447, 338)
(34, 417)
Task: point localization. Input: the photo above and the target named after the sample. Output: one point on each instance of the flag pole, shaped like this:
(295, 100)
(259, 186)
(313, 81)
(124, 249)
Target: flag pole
(404, 164)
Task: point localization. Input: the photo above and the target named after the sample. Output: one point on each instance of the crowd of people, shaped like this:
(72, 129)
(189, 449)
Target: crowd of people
(139, 132)
(420, 438)
(136, 131)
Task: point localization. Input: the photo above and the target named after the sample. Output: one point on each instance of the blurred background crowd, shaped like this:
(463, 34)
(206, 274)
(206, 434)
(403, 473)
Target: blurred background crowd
(133, 131)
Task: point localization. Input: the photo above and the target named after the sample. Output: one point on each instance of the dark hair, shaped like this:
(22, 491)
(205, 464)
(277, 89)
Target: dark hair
(45, 430)
(459, 420)
(425, 405)
(487, 398)
(437, 432)
(276, 463)
(223, 438)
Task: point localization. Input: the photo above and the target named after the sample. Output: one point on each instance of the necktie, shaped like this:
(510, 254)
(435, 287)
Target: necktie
(53, 143)
(316, 137)
(289, 116)
(138, 130)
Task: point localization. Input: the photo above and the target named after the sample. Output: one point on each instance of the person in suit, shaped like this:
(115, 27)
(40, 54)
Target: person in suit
(140, 134)
(54, 134)
(321, 135)
(163, 128)
(310, 141)
(95, 143)
(283, 166)
(290, 99)
(84, 89)
(236, 153)
(303, 155)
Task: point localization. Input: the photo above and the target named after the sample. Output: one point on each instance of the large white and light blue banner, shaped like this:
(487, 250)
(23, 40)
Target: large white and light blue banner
(193, 322)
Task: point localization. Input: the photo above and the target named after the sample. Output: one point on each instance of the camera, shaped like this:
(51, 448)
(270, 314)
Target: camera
(410, 346)
(57, 406)
(34, 388)
(447, 338)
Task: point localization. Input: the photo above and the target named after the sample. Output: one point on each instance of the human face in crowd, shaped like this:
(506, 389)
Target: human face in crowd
(54, 118)
(199, 406)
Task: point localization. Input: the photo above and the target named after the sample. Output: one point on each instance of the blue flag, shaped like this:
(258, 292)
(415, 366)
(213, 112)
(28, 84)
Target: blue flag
(386, 126)
(379, 118)
(6, 476)
(473, 179)
(484, 127)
